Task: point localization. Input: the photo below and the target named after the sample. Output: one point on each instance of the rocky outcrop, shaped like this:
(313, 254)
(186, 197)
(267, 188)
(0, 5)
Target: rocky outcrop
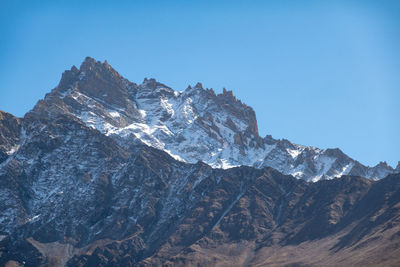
(10, 132)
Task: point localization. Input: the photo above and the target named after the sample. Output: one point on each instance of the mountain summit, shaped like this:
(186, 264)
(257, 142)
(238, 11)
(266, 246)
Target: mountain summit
(191, 125)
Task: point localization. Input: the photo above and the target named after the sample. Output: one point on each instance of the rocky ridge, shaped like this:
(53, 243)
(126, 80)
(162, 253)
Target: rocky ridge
(191, 125)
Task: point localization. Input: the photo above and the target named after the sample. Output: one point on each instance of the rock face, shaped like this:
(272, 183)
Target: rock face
(104, 172)
(9, 135)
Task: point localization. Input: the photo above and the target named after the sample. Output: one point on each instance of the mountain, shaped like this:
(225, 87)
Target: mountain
(191, 125)
(104, 172)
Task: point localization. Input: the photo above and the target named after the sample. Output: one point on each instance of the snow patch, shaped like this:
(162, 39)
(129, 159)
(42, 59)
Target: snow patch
(293, 152)
(12, 150)
(34, 218)
(114, 114)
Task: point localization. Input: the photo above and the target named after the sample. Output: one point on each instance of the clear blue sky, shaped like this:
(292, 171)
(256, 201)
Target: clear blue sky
(320, 73)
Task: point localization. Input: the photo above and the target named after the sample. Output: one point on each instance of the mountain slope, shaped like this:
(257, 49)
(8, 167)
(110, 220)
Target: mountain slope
(83, 185)
(78, 198)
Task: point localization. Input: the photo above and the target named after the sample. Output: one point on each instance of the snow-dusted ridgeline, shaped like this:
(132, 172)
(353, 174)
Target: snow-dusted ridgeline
(193, 125)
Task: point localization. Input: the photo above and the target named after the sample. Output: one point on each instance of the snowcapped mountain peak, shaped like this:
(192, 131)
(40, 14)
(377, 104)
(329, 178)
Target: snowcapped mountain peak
(198, 86)
(191, 125)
